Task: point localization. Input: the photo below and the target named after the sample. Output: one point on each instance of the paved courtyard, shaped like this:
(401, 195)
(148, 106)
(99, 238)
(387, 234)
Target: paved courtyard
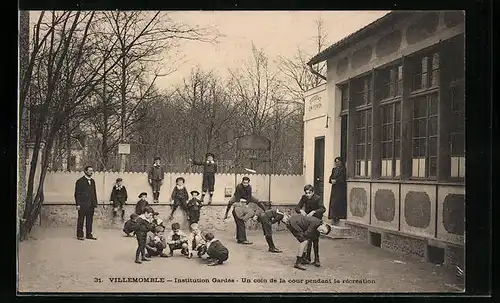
(54, 261)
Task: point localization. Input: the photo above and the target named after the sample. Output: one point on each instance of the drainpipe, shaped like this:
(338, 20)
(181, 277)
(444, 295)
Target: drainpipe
(311, 69)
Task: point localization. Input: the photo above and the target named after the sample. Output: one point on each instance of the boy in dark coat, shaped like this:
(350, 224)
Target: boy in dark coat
(142, 228)
(209, 171)
(193, 208)
(141, 205)
(216, 251)
(304, 229)
(267, 219)
(311, 204)
(179, 197)
(156, 242)
(130, 225)
(118, 198)
(155, 177)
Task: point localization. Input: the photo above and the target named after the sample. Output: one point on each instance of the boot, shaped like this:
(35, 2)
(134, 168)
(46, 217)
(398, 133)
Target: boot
(306, 259)
(123, 215)
(298, 264)
(210, 199)
(138, 261)
(270, 243)
(316, 262)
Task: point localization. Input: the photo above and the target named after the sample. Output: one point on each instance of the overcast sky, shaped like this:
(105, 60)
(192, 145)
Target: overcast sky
(277, 32)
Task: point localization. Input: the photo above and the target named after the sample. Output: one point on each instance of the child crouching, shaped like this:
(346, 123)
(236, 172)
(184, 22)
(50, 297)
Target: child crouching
(156, 243)
(178, 240)
(197, 240)
(129, 226)
(217, 253)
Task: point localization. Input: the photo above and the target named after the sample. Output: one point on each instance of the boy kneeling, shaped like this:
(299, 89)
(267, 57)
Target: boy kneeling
(178, 240)
(156, 243)
(305, 229)
(197, 240)
(217, 253)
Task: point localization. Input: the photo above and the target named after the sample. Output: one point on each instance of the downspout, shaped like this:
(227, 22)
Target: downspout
(311, 69)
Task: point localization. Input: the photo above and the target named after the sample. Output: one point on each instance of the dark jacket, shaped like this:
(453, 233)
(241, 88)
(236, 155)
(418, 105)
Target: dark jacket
(140, 207)
(85, 193)
(180, 194)
(305, 226)
(338, 194)
(315, 203)
(218, 250)
(269, 216)
(119, 194)
(194, 205)
(142, 227)
(129, 226)
(156, 173)
(242, 192)
(208, 168)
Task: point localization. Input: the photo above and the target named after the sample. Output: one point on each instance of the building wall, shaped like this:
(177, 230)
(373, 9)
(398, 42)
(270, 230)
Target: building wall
(428, 210)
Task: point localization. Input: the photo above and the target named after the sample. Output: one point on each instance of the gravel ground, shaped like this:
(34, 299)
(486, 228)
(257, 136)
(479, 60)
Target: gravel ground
(54, 261)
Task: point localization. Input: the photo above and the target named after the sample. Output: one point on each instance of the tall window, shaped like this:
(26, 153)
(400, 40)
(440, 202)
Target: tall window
(362, 90)
(344, 96)
(424, 143)
(391, 139)
(389, 82)
(426, 73)
(363, 143)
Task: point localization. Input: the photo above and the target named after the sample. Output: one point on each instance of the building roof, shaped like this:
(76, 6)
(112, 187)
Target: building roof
(364, 32)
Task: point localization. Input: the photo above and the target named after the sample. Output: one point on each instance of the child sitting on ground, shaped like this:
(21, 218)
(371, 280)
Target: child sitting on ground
(156, 242)
(178, 240)
(157, 221)
(217, 253)
(197, 240)
(129, 226)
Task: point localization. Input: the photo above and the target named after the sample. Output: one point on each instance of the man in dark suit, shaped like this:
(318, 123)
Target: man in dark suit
(86, 202)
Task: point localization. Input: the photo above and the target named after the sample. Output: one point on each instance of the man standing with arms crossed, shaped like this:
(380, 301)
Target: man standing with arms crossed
(86, 202)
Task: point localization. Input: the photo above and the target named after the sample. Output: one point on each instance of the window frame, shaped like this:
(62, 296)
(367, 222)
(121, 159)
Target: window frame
(393, 105)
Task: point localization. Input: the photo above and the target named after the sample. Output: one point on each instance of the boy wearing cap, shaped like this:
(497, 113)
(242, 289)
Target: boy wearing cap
(179, 196)
(156, 242)
(197, 240)
(305, 229)
(267, 219)
(157, 221)
(216, 251)
(155, 178)
(209, 171)
(118, 198)
(193, 208)
(142, 228)
(141, 204)
(178, 240)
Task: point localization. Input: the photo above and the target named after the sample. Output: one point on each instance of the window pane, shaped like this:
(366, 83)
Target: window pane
(433, 146)
(416, 148)
(397, 131)
(369, 151)
(400, 72)
(457, 97)
(422, 127)
(369, 117)
(435, 61)
(398, 111)
(360, 151)
(432, 166)
(415, 129)
(433, 104)
(369, 135)
(397, 149)
(457, 142)
(433, 126)
(435, 78)
(387, 150)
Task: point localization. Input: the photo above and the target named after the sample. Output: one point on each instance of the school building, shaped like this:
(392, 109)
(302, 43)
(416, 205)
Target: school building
(393, 107)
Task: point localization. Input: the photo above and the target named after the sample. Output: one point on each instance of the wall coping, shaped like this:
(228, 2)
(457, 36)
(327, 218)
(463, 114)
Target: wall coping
(413, 182)
(169, 173)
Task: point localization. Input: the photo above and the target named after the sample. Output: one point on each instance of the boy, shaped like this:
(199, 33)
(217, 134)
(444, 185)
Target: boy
(155, 178)
(130, 225)
(209, 171)
(179, 196)
(243, 192)
(304, 229)
(141, 231)
(267, 219)
(311, 204)
(141, 204)
(178, 240)
(193, 208)
(118, 198)
(156, 243)
(197, 240)
(157, 221)
(216, 252)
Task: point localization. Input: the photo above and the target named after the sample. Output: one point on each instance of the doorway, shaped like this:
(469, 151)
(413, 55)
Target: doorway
(343, 137)
(319, 165)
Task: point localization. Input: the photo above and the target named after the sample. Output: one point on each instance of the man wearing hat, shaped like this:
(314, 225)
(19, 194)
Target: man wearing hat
(267, 219)
(141, 205)
(118, 198)
(209, 171)
(193, 208)
(155, 177)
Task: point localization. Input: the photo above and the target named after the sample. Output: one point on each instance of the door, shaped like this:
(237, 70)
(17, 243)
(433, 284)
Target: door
(343, 137)
(319, 165)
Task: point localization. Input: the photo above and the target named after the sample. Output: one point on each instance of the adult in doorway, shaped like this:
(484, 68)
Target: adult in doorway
(338, 196)
(241, 209)
(86, 202)
(155, 178)
(311, 205)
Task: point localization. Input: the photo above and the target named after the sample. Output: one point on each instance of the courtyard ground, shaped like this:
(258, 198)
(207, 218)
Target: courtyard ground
(54, 261)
